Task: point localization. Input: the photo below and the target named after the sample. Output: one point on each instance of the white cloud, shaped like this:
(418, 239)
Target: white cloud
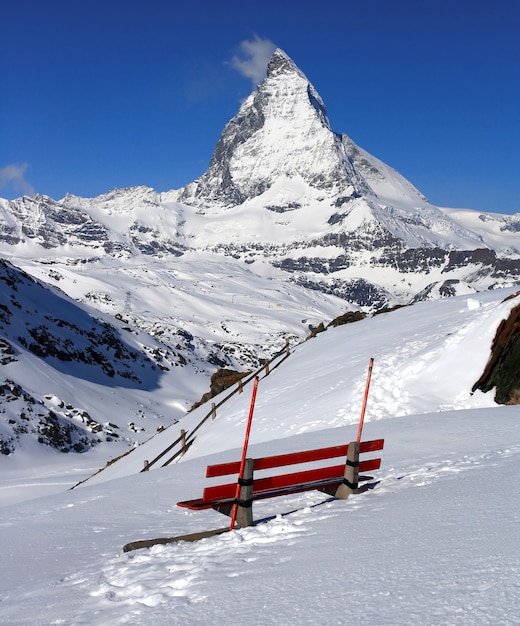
(253, 57)
(14, 176)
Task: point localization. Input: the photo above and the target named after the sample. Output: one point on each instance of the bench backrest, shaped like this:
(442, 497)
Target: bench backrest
(293, 458)
(322, 474)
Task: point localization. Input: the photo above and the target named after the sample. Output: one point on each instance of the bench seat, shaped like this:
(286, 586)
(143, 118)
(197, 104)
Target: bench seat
(335, 480)
(326, 486)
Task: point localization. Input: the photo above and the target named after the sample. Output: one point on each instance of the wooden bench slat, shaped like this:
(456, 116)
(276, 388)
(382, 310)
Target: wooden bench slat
(280, 460)
(201, 504)
(195, 505)
(371, 446)
(293, 458)
(334, 473)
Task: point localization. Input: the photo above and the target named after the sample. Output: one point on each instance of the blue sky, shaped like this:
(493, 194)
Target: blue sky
(101, 94)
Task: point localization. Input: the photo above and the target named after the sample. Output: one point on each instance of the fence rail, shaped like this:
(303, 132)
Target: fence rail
(187, 438)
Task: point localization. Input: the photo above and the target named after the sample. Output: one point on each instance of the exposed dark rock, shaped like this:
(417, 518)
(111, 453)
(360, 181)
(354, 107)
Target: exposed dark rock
(447, 289)
(224, 378)
(220, 381)
(7, 353)
(503, 368)
(32, 419)
(356, 290)
(290, 206)
(389, 309)
(348, 318)
(55, 432)
(462, 258)
(316, 330)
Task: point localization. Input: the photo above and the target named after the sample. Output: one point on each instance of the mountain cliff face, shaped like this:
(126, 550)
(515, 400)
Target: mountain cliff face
(281, 131)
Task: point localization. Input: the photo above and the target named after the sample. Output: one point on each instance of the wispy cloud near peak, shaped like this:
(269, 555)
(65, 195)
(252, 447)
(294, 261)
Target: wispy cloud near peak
(252, 58)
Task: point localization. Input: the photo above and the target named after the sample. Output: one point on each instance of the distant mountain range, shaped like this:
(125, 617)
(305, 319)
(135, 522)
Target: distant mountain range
(290, 217)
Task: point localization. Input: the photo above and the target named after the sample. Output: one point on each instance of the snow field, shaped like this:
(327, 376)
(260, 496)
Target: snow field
(435, 542)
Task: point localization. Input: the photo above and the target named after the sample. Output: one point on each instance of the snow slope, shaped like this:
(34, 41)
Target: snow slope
(417, 349)
(491, 227)
(436, 542)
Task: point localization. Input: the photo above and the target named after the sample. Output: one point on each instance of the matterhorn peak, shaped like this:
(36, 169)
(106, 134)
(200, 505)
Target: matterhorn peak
(281, 132)
(281, 63)
(284, 78)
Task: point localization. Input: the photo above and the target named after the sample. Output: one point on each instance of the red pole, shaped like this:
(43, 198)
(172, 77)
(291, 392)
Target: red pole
(362, 417)
(244, 453)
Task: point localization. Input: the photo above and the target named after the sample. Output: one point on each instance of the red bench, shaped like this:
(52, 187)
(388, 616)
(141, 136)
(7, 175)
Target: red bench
(337, 480)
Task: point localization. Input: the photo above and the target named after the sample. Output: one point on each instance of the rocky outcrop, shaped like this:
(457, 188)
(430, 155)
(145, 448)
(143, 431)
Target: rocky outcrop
(502, 371)
(220, 381)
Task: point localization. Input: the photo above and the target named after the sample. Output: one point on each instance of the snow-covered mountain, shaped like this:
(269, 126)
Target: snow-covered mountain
(291, 225)
(284, 190)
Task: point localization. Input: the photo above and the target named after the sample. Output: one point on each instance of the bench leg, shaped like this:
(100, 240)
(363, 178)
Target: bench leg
(351, 475)
(245, 500)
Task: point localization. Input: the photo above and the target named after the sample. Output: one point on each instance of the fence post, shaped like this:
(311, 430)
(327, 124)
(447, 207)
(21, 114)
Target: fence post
(146, 466)
(245, 498)
(287, 347)
(183, 438)
(351, 475)
(266, 364)
(240, 388)
(213, 411)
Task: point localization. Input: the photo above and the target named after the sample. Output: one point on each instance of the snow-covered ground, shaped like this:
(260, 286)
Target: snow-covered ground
(436, 542)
